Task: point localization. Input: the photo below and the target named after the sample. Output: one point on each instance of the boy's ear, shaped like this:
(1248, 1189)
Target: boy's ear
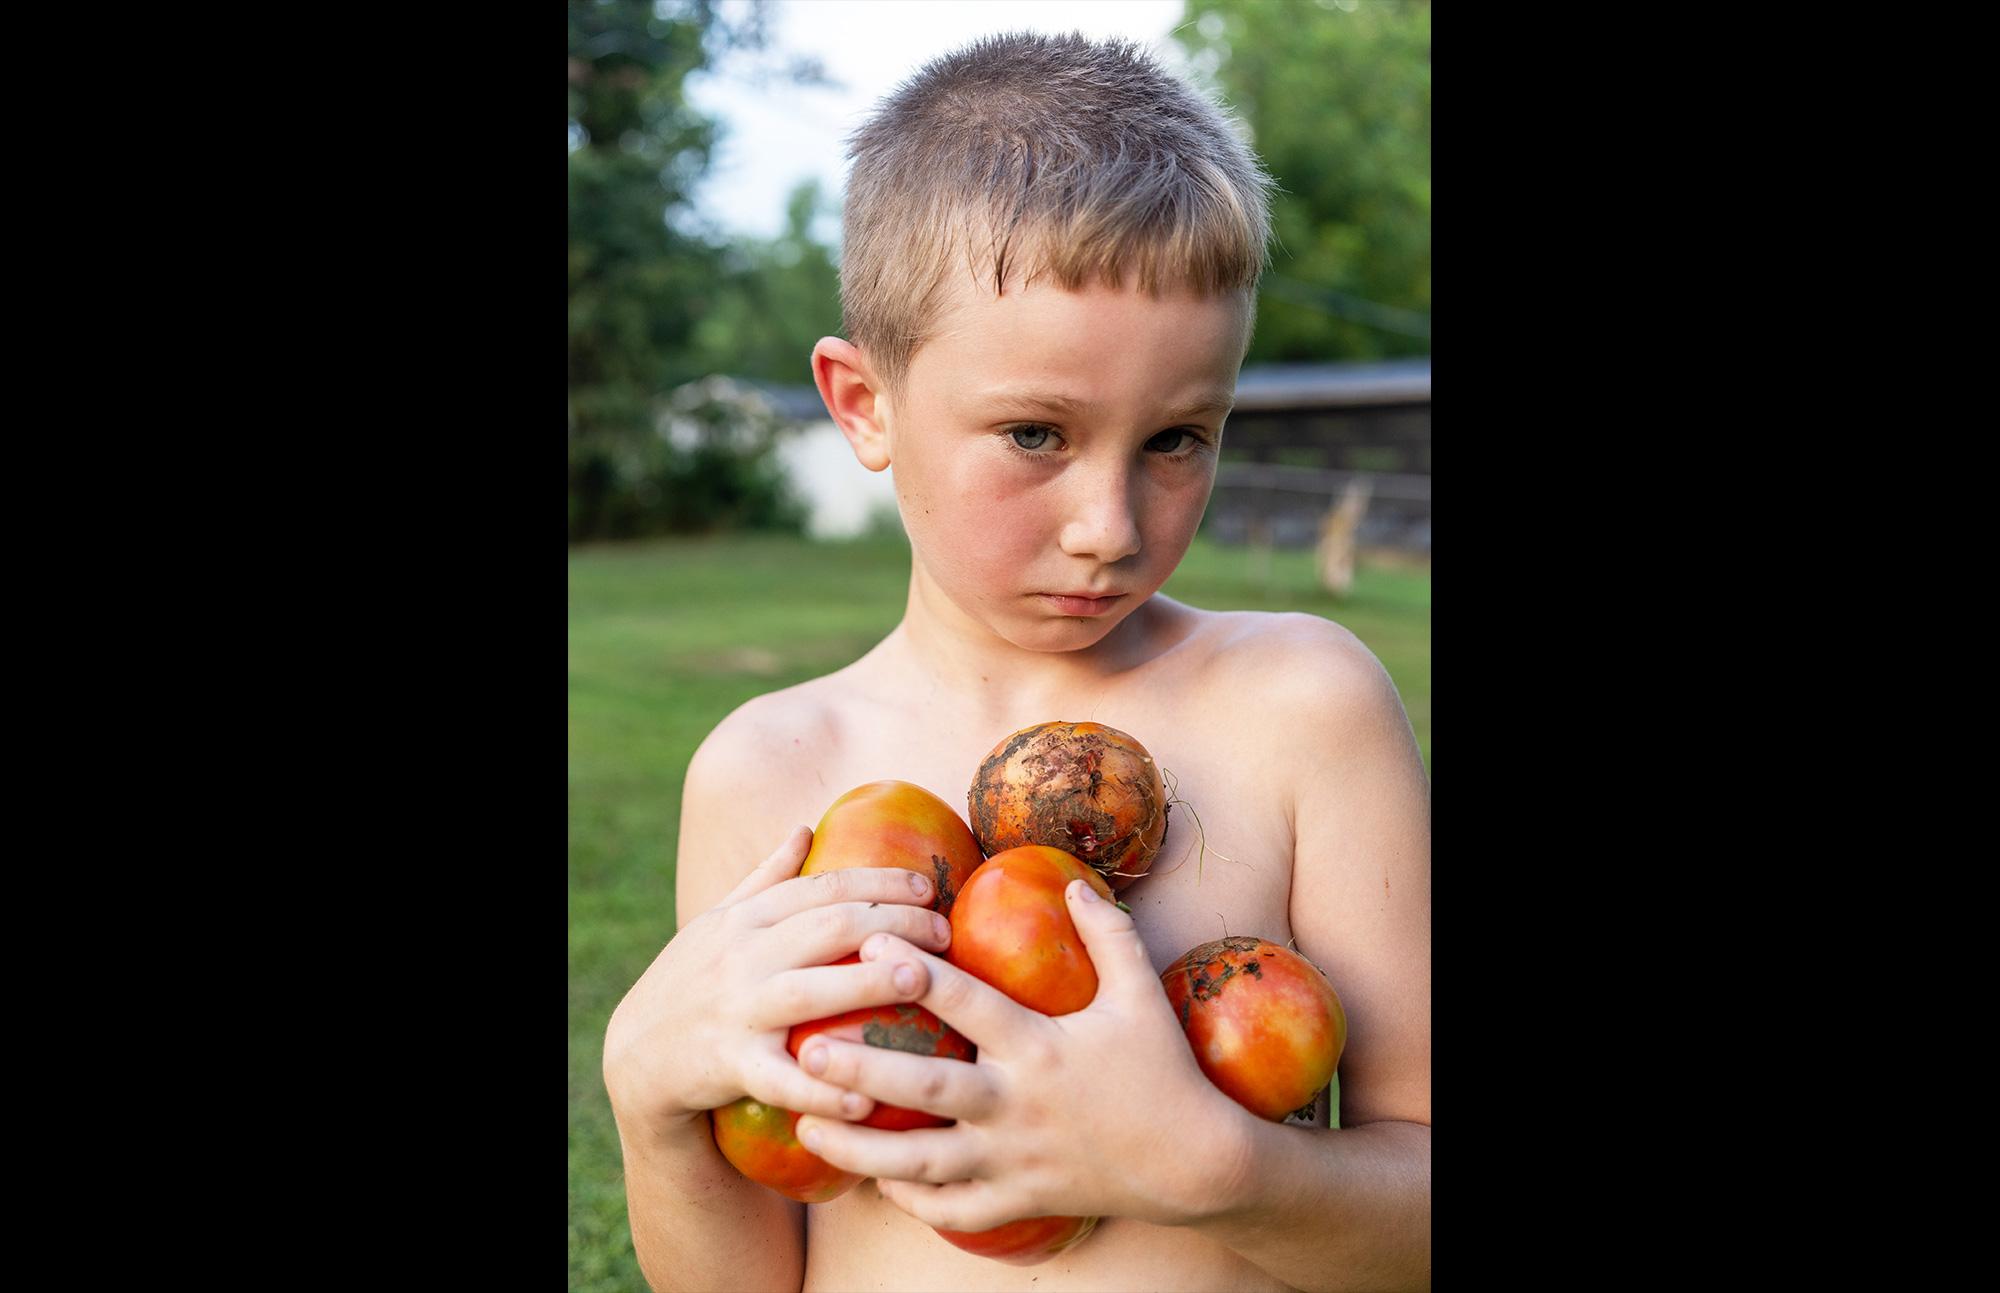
(849, 388)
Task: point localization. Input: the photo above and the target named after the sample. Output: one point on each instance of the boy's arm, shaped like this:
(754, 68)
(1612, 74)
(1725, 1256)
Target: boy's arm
(698, 1223)
(1350, 1208)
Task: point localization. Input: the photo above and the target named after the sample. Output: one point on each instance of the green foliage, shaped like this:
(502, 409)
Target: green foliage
(707, 464)
(774, 300)
(1337, 95)
(640, 279)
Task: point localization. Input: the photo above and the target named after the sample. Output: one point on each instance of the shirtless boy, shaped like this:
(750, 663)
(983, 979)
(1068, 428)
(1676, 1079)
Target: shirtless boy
(1051, 251)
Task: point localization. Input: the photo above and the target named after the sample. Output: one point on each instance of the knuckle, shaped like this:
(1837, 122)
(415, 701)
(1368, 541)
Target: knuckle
(933, 1088)
(834, 923)
(954, 992)
(1039, 1049)
(788, 1000)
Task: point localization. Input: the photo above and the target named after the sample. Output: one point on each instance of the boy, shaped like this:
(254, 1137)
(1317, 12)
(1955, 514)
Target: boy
(1051, 250)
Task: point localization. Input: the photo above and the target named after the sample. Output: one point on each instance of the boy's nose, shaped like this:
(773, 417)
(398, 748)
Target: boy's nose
(1102, 523)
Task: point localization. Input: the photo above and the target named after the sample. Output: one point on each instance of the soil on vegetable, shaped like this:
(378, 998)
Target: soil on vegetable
(1059, 800)
(908, 1033)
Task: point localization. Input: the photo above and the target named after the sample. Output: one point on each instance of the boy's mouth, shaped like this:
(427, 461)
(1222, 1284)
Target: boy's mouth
(1081, 603)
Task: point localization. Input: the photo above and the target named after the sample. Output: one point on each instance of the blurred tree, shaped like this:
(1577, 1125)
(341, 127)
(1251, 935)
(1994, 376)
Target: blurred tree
(775, 299)
(1337, 95)
(640, 276)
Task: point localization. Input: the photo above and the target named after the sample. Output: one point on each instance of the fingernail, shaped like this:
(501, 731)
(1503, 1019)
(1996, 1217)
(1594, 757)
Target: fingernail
(814, 1059)
(905, 979)
(1084, 893)
(853, 1104)
(943, 928)
(919, 885)
(809, 1137)
(872, 948)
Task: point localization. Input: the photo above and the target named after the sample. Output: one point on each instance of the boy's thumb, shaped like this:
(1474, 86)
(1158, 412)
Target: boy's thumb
(1112, 939)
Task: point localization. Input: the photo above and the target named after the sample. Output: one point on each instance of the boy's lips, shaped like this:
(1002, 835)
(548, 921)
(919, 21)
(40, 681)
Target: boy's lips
(1081, 603)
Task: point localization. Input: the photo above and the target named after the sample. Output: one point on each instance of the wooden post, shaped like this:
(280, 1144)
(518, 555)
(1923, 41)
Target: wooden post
(1336, 536)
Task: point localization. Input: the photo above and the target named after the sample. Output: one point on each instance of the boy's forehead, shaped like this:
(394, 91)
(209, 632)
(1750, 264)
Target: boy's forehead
(1043, 336)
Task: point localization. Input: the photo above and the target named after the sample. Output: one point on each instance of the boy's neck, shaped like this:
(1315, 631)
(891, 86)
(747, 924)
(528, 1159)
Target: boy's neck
(996, 678)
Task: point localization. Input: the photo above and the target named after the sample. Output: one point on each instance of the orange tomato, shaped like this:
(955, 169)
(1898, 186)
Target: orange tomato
(896, 823)
(1011, 929)
(1024, 1242)
(761, 1141)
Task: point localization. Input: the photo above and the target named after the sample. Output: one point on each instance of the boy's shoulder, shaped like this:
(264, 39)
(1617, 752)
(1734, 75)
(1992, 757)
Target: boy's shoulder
(1308, 664)
(772, 726)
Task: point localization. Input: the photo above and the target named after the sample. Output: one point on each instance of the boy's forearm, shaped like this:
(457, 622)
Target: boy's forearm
(1330, 1210)
(698, 1223)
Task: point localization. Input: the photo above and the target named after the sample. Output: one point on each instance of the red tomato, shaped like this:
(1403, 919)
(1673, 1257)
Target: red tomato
(895, 823)
(906, 1027)
(1011, 928)
(1265, 1024)
(1027, 1241)
(760, 1141)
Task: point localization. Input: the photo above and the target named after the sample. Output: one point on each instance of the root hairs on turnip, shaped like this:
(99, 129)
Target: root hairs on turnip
(1201, 832)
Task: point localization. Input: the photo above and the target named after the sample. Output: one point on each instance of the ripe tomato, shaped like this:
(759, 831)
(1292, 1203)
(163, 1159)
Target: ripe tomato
(1265, 1024)
(1090, 790)
(898, 1027)
(1024, 1242)
(1011, 928)
(895, 823)
(760, 1141)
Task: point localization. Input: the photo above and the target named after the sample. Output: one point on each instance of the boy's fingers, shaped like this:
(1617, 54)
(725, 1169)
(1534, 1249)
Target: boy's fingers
(961, 1206)
(987, 1016)
(773, 1079)
(949, 1088)
(782, 865)
(1112, 939)
(933, 1154)
(793, 895)
(825, 934)
(799, 996)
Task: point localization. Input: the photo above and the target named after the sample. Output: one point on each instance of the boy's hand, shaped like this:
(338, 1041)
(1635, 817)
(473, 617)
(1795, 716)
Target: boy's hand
(1099, 1113)
(707, 1023)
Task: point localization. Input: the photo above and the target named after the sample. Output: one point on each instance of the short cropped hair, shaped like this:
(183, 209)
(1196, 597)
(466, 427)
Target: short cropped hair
(1023, 155)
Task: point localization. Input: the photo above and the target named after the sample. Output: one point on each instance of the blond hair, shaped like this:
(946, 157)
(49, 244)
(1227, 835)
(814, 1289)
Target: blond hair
(1024, 155)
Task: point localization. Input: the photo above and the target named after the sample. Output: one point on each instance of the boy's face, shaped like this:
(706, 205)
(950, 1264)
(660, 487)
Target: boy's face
(1052, 445)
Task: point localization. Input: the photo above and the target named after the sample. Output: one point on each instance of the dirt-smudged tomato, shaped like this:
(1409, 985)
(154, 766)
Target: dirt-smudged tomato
(761, 1141)
(1011, 929)
(901, 1026)
(896, 823)
(1265, 1024)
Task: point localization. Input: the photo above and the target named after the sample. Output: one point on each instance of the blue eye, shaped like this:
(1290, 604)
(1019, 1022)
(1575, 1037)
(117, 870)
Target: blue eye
(1030, 437)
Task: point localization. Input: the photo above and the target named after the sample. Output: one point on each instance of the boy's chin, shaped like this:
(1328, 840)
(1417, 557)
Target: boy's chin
(1056, 635)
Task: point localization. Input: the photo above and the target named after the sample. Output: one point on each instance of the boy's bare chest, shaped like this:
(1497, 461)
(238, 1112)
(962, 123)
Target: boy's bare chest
(1224, 866)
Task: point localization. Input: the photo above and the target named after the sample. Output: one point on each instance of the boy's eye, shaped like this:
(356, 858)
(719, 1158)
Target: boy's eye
(1172, 442)
(1030, 437)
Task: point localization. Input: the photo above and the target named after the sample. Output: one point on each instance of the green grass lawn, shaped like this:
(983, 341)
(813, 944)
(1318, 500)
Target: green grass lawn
(666, 638)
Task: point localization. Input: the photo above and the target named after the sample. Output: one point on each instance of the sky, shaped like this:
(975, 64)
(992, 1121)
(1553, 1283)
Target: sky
(779, 134)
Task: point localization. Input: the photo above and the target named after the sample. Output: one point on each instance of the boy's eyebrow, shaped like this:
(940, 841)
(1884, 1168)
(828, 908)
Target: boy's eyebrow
(1207, 402)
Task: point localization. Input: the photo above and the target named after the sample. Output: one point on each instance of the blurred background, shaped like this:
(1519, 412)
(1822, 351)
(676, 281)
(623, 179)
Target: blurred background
(723, 542)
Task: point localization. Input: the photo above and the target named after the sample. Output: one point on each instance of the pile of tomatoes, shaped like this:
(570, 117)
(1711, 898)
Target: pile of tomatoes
(1011, 929)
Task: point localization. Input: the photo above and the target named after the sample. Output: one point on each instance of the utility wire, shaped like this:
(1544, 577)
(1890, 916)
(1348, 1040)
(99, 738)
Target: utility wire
(1373, 314)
